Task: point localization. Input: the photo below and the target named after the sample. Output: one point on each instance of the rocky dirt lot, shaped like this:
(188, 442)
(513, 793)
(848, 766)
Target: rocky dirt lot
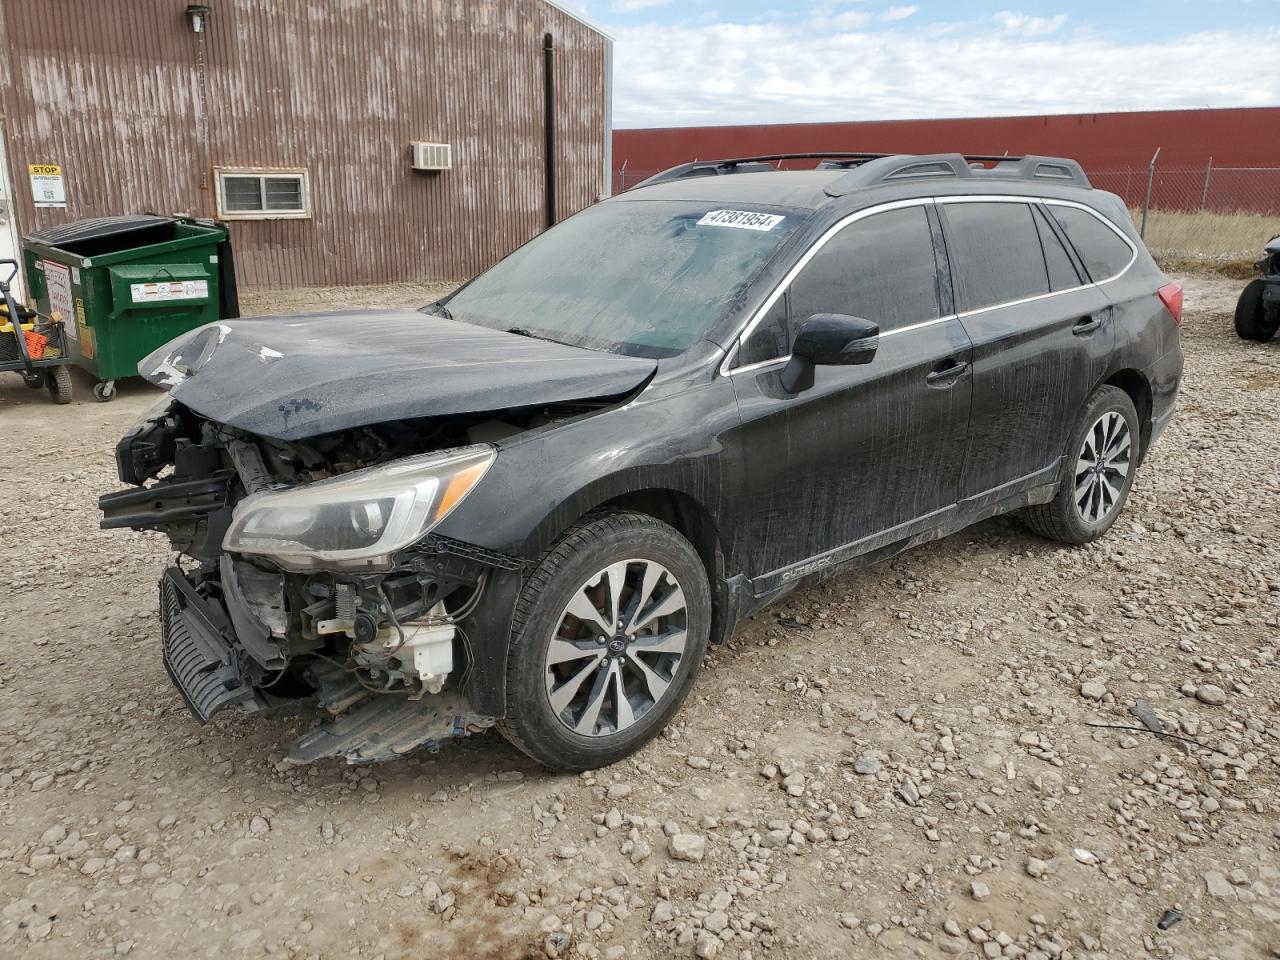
(904, 762)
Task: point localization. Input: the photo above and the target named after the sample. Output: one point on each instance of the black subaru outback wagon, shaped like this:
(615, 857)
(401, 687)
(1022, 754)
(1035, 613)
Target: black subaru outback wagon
(534, 503)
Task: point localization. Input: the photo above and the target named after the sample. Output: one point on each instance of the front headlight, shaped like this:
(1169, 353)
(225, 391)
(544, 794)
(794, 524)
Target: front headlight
(360, 518)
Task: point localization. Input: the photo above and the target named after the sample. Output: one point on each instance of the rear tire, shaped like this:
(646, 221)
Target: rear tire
(1252, 320)
(58, 380)
(614, 690)
(1097, 473)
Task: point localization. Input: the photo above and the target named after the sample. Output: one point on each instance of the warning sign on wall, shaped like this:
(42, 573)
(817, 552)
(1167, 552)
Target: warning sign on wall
(48, 189)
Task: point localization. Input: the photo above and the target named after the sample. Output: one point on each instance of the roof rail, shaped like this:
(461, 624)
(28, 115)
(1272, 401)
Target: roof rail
(871, 169)
(905, 167)
(760, 164)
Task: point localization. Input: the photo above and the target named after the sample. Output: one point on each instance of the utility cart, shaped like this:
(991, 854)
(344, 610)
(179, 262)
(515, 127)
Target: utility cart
(1258, 310)
(34, 350)
(126, 285)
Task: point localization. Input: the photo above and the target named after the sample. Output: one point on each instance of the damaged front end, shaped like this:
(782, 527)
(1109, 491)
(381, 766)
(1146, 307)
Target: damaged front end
(309, 579)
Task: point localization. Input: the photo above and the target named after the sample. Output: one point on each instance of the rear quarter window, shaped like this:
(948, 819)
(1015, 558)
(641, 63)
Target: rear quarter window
(1102, 251)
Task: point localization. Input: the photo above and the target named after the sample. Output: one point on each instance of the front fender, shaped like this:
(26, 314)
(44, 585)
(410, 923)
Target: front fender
(542, 482)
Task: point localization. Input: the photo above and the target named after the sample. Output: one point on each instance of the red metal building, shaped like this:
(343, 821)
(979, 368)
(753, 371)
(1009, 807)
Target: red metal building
(1114, 147)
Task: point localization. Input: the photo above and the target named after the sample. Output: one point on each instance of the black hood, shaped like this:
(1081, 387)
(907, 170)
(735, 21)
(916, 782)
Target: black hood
(296, 377)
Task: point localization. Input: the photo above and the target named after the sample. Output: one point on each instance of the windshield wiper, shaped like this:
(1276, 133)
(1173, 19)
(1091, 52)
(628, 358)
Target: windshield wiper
(526, 332)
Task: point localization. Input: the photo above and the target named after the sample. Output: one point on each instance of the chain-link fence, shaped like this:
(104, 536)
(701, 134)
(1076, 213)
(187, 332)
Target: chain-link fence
(1197, 211)
(625, 179)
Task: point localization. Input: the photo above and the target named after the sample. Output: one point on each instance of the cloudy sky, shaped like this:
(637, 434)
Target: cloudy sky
(679, 62)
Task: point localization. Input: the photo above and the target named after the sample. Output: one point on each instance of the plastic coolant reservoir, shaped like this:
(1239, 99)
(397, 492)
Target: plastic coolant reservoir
(429, 648)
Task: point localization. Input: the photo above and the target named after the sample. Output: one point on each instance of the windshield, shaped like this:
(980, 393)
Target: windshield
(644, 278)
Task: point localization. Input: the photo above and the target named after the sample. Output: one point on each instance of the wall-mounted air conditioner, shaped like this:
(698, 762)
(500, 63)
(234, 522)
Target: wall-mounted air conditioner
(432, 156)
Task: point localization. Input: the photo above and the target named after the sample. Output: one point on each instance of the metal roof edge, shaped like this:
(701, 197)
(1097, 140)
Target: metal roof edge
(582, 18)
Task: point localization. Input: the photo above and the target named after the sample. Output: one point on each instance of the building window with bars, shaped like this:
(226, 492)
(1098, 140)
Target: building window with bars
(263, 194)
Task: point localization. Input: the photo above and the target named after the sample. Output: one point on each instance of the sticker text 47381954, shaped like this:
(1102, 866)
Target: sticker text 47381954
(742, 219)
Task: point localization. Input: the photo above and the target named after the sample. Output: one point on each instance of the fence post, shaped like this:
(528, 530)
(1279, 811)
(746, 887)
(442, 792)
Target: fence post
(1204, 197)
(1146, 203)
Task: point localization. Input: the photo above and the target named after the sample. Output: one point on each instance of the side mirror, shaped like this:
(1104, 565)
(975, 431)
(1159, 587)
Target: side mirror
(828, 340)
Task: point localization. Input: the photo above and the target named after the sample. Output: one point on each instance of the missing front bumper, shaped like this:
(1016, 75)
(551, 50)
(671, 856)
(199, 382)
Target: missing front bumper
(202, 654)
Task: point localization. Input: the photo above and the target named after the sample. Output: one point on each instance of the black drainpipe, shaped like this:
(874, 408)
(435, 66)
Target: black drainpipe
(549, 95)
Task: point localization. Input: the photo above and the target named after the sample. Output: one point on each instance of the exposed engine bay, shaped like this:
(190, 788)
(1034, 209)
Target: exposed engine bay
(309, 611)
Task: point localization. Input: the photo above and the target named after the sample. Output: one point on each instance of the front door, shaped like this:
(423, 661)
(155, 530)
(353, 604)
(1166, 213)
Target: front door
(10, 249)
(869, 454)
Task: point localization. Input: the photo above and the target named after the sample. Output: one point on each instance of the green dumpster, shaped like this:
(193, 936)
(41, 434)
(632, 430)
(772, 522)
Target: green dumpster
(122, 286)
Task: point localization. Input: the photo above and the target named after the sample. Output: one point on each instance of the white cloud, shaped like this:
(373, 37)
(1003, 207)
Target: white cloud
(898, 13)
(1030, 26)
(811, 70)
(630, 6)
(850, 19)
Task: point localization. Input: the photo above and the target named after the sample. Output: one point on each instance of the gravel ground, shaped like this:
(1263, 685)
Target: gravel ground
(899, 763)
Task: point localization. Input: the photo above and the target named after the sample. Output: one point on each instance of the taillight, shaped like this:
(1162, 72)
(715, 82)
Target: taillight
(1171, 296)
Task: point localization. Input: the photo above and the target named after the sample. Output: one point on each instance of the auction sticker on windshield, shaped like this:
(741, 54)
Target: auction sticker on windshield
(742, 219)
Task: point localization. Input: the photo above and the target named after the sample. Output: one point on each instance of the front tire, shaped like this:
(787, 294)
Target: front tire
(608, 635)
(1252, 319)
(1098, 468)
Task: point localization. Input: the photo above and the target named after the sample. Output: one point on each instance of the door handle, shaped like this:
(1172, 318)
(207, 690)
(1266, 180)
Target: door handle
(947, 373)
(1087, 325)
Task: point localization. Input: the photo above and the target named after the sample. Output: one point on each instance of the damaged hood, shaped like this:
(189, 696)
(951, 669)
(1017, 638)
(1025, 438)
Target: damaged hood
(297, 377)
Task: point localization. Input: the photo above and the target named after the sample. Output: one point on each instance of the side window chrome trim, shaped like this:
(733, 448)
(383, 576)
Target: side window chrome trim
(726, 368)
(1133, 249)
(1050, 202)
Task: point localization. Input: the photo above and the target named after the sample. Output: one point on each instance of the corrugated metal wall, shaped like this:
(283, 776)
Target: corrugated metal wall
(111, 90)
(1242, 137)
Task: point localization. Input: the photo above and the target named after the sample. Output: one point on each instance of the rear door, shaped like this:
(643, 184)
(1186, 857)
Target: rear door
(1041, 337)
(870, 453)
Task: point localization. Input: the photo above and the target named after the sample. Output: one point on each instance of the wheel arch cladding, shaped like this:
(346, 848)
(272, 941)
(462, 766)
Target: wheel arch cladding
(485, 682)
(693, 521)
(679, 509)
(1136, 385)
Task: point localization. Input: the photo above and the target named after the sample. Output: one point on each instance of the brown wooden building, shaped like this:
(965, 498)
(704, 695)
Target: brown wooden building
(296, 120)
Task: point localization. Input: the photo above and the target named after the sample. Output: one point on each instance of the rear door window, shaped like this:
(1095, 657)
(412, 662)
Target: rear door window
(995, 253)
(881, 268)
(1101, 249)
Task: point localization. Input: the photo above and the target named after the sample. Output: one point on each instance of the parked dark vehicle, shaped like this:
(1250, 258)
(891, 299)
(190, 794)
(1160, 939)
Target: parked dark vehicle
(1258, 309)
(535, 502)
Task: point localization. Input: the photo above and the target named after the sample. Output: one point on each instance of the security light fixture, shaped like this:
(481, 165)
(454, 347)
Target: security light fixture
(197, 13)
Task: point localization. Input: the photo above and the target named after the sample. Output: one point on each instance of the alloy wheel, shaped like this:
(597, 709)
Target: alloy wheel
(617, 646)
(1102, 467)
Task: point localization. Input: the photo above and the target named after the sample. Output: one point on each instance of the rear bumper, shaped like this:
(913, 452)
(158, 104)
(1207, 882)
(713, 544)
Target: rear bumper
(1159, 423)
(1164, 377)
(200, 652)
